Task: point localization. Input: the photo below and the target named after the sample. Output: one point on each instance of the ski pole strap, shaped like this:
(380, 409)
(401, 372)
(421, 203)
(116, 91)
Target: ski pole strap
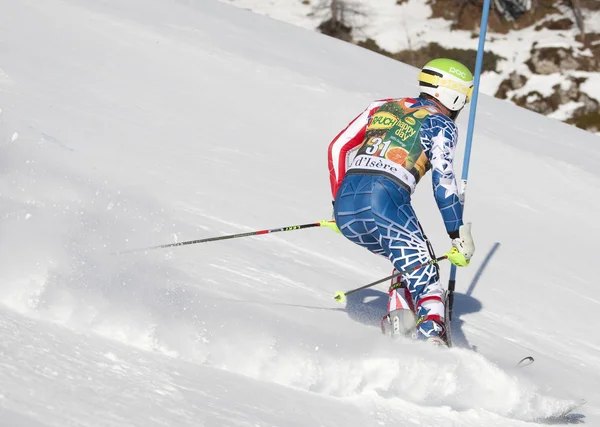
(232, 236)
(341, 296)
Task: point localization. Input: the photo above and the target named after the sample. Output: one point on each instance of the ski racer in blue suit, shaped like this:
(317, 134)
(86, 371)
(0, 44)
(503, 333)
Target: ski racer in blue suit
(375, 164)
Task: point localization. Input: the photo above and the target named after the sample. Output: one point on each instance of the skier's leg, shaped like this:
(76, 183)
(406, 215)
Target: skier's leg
(353, 214)
(401, 318)
(400, 298)
(428, 297)
(406, 246)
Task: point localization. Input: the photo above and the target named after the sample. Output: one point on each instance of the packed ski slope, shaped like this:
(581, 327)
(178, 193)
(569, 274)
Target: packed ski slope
(130, 124)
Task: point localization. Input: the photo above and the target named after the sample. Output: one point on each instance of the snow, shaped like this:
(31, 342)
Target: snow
(543, 84)
(393, 26)
(592, 21)
(592, 85)
(133, 124)
(564, 110)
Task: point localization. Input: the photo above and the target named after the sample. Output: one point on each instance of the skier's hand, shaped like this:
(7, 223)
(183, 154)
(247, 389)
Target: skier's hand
(462, 247)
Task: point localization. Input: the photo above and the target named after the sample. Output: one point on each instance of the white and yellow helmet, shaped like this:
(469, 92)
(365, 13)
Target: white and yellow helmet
(449, 81)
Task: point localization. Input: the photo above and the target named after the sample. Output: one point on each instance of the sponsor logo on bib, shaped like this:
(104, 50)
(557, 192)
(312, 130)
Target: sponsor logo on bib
(383, 120)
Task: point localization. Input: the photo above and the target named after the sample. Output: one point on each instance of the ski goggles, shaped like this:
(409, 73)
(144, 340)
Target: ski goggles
(436, 81)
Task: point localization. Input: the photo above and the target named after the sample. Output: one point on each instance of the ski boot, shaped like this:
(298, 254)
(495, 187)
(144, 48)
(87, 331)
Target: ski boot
(400, 323)
(432, 331)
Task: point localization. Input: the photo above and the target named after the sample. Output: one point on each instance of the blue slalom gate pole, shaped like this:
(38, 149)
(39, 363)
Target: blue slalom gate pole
(467, 158)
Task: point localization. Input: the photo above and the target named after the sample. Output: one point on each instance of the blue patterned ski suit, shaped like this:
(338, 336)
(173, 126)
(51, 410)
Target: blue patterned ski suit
(375, 165)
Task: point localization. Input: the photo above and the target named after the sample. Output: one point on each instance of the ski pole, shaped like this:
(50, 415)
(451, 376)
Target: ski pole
(340, 296)
(472, 113)
(322, 223)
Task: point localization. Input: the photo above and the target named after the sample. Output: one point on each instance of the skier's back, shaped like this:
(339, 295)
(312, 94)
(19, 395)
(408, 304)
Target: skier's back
(375, 164)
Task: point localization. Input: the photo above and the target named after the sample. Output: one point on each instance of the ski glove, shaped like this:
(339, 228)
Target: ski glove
(330, 224)
(462, 247)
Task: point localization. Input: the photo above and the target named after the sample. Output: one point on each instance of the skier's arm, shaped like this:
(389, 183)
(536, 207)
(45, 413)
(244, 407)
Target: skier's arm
(442, 135)
(345, 143)
(443, 143)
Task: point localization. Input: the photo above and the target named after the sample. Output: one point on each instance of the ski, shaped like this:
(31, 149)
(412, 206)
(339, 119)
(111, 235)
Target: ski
(526, 361)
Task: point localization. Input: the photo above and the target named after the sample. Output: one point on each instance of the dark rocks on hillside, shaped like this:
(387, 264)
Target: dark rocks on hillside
(589, 122)
(372, 45)
(337, 30)
(535, 101)
(513, 82)
(592, 41)
(421, 56)
(559, 24)
(550, 60)
(466, 14)
(586, 116)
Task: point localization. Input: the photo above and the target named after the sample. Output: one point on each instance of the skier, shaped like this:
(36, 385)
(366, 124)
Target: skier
(375, 164)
